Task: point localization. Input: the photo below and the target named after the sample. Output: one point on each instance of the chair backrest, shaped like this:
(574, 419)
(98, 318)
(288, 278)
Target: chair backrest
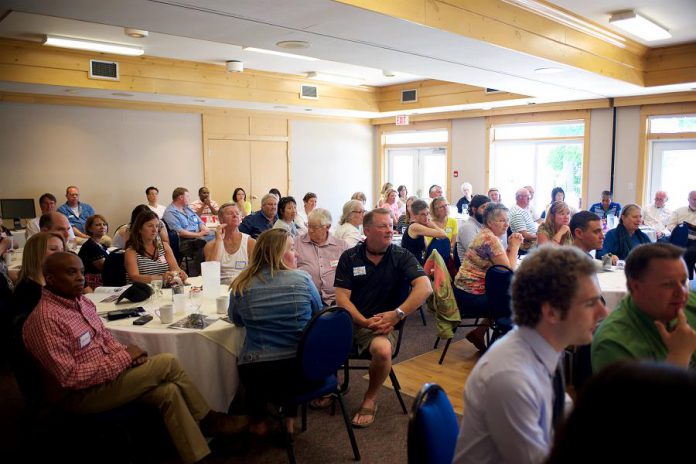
(680, 235)
(174, 242)
(442, 245)
(325, 343)
(498, 282)
(432, 427)
(114, 272)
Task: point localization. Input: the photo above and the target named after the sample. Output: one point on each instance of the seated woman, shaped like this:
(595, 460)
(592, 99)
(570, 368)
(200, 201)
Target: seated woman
(274, 301)
(463, 203)
(93, 253)
(287, 211)
(349, 224)
(309, 203)
(123, 232)
(146, 258)
(405, 218)
(557, 194)
(27, 292)
(554, 229)
(383, 194)
(359, 196)
(484, 251)
(420, 227)
(401, 199)
(239, 198)
(389, 203)
(627, 235)
(439, 211)
(231, 247)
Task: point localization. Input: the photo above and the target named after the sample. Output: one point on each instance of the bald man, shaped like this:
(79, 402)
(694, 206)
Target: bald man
(98, 373)
(657, 215)
(57, 223)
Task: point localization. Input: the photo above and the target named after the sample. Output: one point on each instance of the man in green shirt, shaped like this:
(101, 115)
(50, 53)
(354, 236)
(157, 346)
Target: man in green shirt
(657, 319)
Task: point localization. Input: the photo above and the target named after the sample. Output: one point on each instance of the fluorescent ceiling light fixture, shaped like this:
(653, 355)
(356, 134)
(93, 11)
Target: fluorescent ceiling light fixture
(335, 78)
(92, 45)
(560, 16)
(273, 52)
(639, 26)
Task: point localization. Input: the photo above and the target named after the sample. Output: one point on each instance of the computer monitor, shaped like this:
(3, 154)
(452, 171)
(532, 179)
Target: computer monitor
(17, 208)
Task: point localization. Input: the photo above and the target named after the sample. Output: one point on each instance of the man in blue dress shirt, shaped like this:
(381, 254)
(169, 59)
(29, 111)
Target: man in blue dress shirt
(76, 211)
(263, 219)
(515, 393)
(606, 207)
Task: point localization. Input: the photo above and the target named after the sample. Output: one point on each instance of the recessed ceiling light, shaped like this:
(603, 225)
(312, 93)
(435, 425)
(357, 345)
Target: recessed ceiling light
(135, 33)
(277, 53)
(639, 26)
(293, 44)
(122, 94)
(549, 70)
(92, 45)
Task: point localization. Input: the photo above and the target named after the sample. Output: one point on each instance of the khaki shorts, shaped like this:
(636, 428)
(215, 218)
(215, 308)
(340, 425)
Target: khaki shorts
(362, 337)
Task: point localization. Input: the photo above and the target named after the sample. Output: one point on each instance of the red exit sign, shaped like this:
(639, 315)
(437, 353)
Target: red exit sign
(402, 120)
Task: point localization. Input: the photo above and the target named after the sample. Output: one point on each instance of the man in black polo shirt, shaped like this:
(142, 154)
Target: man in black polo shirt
(372, 282)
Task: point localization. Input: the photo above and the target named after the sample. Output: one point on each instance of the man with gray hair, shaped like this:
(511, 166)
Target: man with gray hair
(657, 214)
(514, 396)
(521, 219)
(318, 252)
(263, 219)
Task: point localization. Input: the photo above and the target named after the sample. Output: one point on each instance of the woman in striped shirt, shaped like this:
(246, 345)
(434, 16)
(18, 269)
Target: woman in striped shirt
(147, 258)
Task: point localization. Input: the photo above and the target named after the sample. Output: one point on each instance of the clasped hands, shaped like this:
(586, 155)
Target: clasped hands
(382, 323)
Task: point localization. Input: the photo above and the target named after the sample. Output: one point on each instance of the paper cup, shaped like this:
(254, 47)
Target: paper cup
(221, 304)
(165, 313)
(180, 303)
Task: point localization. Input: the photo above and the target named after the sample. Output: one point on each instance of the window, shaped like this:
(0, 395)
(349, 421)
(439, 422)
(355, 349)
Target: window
(544, 155)
(672, 154)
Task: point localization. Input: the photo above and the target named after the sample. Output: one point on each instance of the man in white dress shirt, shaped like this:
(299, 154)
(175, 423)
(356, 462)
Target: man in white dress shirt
(657, 215)
(515, 393)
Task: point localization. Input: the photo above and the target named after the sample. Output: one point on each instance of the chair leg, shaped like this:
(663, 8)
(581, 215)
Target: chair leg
(289, 445)
(422, 314)
(349, 427)
(346, 377)
(444, 351)
(397, 390)
(437, 342)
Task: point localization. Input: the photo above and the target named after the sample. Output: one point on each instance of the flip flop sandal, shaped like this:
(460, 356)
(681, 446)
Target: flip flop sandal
(365, 412)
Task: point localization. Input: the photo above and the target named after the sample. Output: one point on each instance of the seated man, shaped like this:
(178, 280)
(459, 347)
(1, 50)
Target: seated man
(687, 214)
(263, 219)
(56, 222)
(96, 373)
(586, 228)
(514, 396)
(204, 207)
(318, 252)
(76, 211)
(521, 220)
(657, 215)
(47, 203)
(185, 222)
(372, 281)
(152, 193)
(657, 319)
(606, 207)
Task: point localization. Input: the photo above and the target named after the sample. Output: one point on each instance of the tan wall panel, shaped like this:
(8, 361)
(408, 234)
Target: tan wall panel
(225, 126)
(269, 169)
(268, 126)
(227, 167)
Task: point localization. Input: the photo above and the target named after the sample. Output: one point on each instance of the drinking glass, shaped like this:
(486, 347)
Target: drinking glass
(156, 285)
(196, 296)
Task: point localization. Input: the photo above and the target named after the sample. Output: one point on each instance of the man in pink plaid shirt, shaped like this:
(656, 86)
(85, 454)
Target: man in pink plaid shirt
(96, 373)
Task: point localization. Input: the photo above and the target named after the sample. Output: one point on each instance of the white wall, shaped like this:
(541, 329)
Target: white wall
(627, 143)
(333, 159)
(600, 154)
(468, 156)
(111, 154)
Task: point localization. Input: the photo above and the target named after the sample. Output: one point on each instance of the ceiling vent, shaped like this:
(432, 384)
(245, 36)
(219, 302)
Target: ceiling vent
(409, 96)
(490, 91)
(309, 91)
(103, 70)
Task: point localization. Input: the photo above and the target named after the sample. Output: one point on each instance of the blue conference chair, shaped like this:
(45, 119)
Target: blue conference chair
(432, 427)
(323, 349)
(499, 296)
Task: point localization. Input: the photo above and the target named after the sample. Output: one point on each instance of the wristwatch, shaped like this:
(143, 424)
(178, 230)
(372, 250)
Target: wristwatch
(400, 314)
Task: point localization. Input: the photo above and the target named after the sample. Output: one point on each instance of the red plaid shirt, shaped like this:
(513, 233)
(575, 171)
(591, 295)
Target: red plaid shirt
(70, 341)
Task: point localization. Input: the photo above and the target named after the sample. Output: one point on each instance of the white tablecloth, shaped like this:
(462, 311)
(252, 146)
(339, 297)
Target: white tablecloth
(209, 356)
(613, 286)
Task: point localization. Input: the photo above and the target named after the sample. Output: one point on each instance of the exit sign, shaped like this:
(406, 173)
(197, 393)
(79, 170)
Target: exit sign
(402, 120)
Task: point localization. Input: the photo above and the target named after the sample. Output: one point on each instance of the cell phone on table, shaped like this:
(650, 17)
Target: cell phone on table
(142, 320)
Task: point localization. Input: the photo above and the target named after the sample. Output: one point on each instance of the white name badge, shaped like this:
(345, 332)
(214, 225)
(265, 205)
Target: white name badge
(240, 264)
(333, 263)
(359, 271)
(85, 339)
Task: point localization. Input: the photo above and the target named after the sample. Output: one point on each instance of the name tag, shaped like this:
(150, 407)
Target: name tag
(333, 263)
(359, 271)
(162, 259)
(85, 339)
(448, 230)
(240, 264)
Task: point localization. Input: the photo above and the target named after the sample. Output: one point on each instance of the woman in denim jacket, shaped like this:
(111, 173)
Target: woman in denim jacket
(274, 301)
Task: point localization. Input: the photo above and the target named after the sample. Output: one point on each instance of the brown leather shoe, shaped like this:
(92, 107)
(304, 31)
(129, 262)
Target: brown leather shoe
(216, 423)
(477, 338)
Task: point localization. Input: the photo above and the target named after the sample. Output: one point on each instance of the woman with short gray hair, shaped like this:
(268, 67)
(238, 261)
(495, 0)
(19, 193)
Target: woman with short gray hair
(350, 222)
(485, 250)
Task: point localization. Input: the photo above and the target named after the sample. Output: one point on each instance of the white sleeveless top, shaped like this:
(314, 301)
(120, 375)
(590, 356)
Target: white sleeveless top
(231, 265)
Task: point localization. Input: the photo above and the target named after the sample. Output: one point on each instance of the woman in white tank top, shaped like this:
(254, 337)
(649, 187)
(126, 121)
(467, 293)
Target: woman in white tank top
(231, 247)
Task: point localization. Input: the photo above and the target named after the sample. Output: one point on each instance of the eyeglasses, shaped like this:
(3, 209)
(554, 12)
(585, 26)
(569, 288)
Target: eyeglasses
(315, 227)
(362, 211)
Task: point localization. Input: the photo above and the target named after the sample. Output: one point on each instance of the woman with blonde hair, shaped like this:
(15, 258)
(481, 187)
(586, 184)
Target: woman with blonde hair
(405, 219)
(555, 229)
(439, 211)
(274, 301)
(349, 224)
(92, 253)
(359, 196)
(31, 279)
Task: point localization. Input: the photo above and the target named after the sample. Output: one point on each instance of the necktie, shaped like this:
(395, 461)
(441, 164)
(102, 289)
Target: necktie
(558, 396)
